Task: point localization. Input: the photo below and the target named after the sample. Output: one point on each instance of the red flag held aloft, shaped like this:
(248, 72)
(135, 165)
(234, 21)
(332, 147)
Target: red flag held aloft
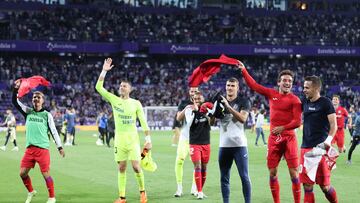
(208, 68)
(28, 84)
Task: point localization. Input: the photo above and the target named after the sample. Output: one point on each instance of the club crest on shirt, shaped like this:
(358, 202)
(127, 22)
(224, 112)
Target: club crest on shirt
(275, 98)
(312, 108)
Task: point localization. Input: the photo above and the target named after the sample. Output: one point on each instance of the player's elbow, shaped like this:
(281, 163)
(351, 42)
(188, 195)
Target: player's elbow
(179, 118)
(297, 123)
(98, 86)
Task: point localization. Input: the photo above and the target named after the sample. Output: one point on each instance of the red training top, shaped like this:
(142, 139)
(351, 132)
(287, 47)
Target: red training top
(285, 109)
(341, 113)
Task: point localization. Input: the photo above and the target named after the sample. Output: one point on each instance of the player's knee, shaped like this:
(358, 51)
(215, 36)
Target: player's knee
(293, 172)
(122, 168)
(23, 174)
(325, 188)
(308, 187)
(203, 166)
(273, 172)
(137, 169)
(179, 162)
(197, 166)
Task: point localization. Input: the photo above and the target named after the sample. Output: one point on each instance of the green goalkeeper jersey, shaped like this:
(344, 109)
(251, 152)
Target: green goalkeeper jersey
(125, 112)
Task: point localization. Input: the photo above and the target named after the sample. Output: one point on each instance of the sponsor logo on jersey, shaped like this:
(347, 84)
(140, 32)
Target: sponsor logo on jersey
(34, 119)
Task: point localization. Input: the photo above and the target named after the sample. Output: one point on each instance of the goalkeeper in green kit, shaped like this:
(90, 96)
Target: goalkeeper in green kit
(127, 145)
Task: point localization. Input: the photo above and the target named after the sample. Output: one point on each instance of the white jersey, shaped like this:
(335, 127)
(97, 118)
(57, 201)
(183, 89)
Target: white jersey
(185, 128)
(185, 131)
(232, 132)
(10, 121)
(259, 121)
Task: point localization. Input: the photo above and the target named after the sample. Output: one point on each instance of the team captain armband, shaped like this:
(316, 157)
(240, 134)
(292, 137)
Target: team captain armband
(148, 139)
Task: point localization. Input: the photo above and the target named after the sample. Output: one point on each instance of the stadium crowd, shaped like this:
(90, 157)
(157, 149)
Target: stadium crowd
(190, 27)
(163, 81)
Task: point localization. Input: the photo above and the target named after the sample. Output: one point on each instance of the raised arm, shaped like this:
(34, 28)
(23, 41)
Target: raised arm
(252, 83)
(100, 83)
(16, 102)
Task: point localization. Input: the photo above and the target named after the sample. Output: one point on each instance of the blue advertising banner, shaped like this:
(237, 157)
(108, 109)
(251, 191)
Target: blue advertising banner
(207, 49)
(83, 47)
(186, 49)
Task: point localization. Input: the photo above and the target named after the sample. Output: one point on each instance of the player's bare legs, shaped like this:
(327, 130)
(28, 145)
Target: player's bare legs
(27, 182)
(176, 135)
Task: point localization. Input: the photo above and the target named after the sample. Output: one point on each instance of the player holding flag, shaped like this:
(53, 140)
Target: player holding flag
(285, 116)
(38, 123)
(126, 145)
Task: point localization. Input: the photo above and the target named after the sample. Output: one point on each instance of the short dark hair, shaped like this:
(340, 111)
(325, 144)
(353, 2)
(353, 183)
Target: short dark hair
(285, 72)
(315, 80)
(233, 79)
(336, 95)
(126, 81)
(262, 111)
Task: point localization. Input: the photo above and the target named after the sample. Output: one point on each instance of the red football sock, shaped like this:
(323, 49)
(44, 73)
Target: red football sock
(331, 195)
(27, 183)
(198, 179)
(296, 189)
(50, 186)
(203, 176)
(275, 189)
(309, 196)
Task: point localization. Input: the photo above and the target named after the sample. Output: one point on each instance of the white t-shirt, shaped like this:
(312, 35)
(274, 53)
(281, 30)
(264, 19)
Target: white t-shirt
(259, 121)
(232, 132)
(185, 129)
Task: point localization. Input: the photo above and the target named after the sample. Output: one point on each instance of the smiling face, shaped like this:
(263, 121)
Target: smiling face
(285, 84)
(310, 90)
(124, 89)
(232, 88)
(335, 101)
(192, 91)
(198, 99)
(38, 100)
(312, 87)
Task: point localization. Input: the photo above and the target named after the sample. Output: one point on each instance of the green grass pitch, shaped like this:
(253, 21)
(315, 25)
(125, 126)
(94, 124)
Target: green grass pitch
(88, 174)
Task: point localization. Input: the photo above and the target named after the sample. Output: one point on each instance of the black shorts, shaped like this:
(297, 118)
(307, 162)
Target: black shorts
(102, 131)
